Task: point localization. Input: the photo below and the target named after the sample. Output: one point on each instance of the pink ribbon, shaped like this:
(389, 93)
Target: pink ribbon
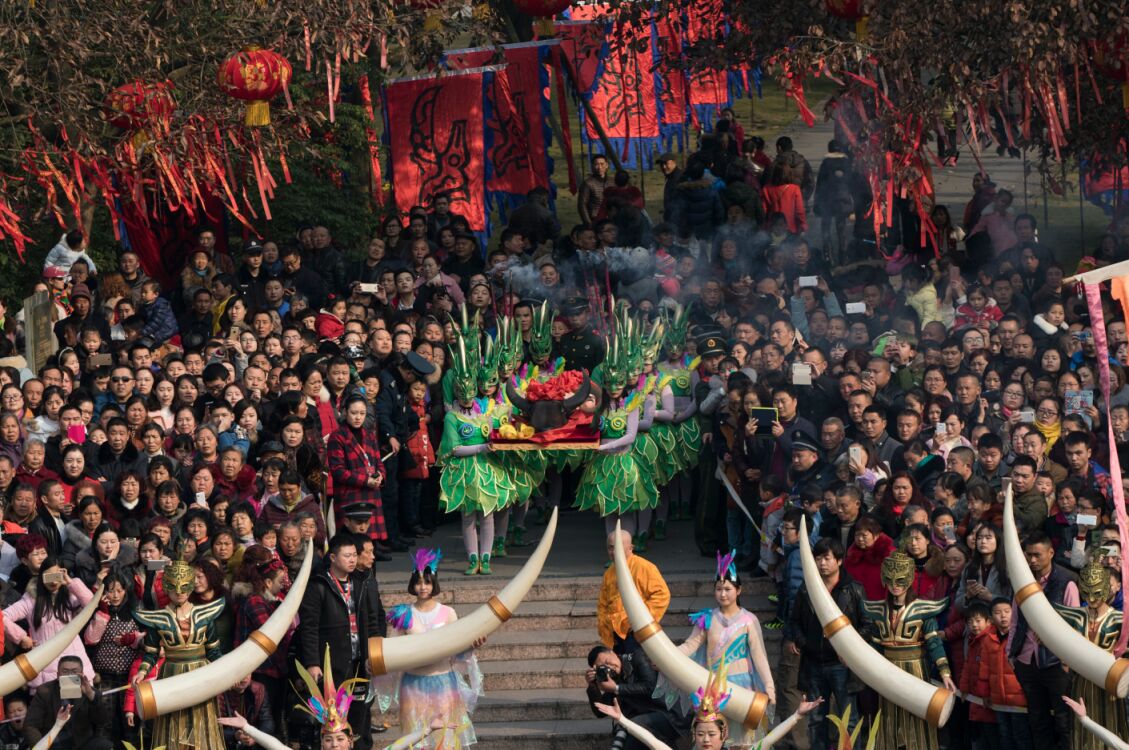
(1101, 346)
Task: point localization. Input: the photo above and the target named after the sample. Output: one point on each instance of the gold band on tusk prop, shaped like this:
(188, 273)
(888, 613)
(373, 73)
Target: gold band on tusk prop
(376, 655)
(836, 625)
(263, 642)
(499, 609)
(647, 631)
(27, 669)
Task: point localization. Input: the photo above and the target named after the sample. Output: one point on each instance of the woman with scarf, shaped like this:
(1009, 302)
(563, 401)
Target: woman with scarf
(11, 437)
(1048, 421)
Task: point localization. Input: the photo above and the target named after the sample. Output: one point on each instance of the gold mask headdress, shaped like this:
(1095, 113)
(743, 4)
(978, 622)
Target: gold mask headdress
(1093, 583)
(179, 578)
(898, 570)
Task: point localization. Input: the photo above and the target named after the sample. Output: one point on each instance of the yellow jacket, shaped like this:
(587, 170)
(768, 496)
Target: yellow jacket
(611, 619)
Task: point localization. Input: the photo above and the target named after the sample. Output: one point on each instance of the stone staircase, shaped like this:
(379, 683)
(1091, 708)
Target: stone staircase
(534, 664)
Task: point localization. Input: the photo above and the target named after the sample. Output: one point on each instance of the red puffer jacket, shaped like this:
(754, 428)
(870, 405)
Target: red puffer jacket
(865, 565)
(1005, 690)
(975, 679)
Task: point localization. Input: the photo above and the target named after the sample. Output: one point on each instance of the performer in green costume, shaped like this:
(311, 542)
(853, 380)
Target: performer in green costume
(473, 481)
(613, 481)
(682, 371)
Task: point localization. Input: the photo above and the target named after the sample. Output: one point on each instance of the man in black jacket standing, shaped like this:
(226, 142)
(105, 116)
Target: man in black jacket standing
(341, 610)
(822, 674)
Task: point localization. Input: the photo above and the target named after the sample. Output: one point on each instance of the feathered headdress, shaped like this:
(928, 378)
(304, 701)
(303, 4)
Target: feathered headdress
(328, 704)
(509, 339)
(727, 566)
(617, 362)
(847, 739)
(710, 700)
(426, 558)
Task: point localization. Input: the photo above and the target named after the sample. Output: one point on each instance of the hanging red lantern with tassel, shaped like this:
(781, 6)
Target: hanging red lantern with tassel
(544, 11)
(850, 10)
(1112, 59)
(255, 76)
(141, 104)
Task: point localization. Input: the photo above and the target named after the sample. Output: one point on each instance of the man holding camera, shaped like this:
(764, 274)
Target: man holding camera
(71, 688)
(630, 679)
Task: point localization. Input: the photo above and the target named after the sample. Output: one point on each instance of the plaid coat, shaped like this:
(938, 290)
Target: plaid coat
(351, 463)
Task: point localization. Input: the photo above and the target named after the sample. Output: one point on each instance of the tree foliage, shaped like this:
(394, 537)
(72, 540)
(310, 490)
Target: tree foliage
(61, 59)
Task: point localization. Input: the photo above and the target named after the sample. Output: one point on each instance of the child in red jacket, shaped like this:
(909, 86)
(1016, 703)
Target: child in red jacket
(1004, 689)
(974, 680)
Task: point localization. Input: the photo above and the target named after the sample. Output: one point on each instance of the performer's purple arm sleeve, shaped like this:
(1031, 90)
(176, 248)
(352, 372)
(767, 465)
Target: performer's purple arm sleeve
(628, 437)
(666, 413)
(648, 414)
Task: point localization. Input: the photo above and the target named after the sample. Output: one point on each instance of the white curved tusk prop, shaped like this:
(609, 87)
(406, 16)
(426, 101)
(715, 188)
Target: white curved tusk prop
(420, 649)
(923, 700)
(158, 697)
(1087, 659)
(745, 707)
(26, 667)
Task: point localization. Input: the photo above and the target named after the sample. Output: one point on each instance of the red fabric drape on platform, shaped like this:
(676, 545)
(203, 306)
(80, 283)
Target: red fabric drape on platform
(436, 143)
(517, 101)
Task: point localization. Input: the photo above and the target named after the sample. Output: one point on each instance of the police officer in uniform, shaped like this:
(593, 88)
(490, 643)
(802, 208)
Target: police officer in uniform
(582, 348)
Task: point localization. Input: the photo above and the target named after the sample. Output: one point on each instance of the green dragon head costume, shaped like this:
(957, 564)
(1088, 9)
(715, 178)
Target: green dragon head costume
(468, 332)
(652, 342)
(677, 328)
(490, 366)
(464, 373)
(509, 340)
(616, 367)
(541, 335)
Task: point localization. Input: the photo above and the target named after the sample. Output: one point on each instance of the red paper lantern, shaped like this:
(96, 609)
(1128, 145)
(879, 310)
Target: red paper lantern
(849, 10)
(138, 105)
(256, 76)
(1112, 59)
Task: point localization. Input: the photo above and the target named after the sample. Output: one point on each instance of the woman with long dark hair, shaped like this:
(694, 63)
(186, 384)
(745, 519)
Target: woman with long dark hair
(47, 609)
(901, 492)
(985, 577)
(208, 586)
(114, 640)
(105, 550)
(262, 579)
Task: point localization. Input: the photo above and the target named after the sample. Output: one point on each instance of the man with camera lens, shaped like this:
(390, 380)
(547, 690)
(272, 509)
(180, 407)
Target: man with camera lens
(630, 679)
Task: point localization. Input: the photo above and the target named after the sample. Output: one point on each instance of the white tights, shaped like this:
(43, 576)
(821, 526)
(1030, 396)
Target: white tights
(478, 541)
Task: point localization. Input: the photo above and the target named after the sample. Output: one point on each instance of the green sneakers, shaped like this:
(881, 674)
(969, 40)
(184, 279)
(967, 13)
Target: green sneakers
(472, 569)
(484, 566)
(499, 546)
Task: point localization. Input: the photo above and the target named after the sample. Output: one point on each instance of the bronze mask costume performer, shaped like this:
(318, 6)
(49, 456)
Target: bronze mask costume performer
(1101, 624)
(187, 635)
(905, 630)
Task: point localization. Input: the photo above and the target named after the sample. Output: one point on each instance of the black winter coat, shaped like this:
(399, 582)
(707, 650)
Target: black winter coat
(324, 620)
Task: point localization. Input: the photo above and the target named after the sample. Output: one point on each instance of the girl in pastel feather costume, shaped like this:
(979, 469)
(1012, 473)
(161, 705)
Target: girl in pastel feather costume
(728, 636)
(447, 690)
